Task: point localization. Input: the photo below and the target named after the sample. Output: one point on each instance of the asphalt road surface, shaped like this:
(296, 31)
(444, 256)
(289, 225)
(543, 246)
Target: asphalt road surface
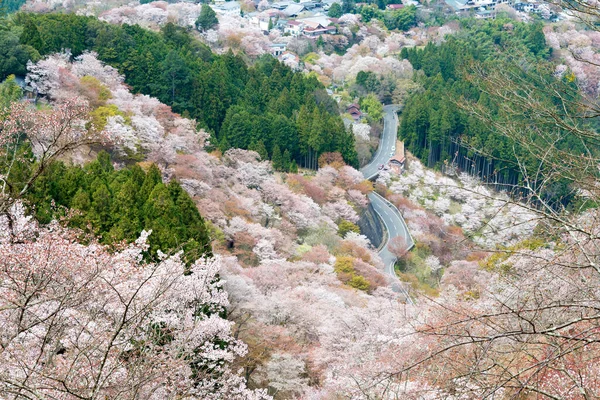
(386, 142)
(389, 214)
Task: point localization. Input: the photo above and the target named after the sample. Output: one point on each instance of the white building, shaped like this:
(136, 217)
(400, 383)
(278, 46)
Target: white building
(227, 8)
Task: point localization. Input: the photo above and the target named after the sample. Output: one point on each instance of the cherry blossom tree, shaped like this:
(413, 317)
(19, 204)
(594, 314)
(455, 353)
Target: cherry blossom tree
(80, 322)
(51, 133)
(150, 126)
(397, 246)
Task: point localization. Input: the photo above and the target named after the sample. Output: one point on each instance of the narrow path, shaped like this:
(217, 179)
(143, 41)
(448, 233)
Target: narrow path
(389, 214)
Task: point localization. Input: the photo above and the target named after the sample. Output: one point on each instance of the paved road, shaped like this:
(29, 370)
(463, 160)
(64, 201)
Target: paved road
(389, 214)
(386, 143)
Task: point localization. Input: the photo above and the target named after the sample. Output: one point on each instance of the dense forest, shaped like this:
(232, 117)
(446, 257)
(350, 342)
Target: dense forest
(9, 6)
(116, 205)
(264, 106)
(440, 132)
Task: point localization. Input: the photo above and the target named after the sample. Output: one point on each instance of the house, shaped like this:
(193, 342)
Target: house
(228, 8)
(259, 20)
(398, 161)
(20, 80)
(326, 4)
(354, 111)
(281, 24)
(277, 49)
(28, 91)
(394, 6)
(481, 7)
(531, 7)
(316, 26)
(485, 14)
(293, 10)
(318, 30)
(294, 28)
(309, 5)
(281, 5)
(313, 22)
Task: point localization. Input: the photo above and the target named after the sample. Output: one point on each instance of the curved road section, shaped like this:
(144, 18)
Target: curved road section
(389, 214)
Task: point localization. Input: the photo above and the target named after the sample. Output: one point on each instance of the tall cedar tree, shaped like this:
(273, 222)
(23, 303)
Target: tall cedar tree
(117, 205)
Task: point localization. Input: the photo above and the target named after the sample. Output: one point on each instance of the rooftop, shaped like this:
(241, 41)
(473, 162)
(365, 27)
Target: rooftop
(293, 9)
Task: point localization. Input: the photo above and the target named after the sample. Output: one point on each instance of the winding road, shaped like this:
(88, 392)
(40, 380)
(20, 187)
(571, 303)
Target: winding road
(389, 214)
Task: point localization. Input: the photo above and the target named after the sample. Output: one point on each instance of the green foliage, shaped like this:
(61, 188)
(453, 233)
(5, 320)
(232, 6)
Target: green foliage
(414, 269)
(371, 105)
(14, 55)
(10, 6)
(320, 42)
(344, 267)
(261, 149)
(402, 19)
(277, 158)
(239, 105)
(348, 6)
(368, 13)
(207, 18)
(118, 205)
(335, 11)
(10, 91)
(100, 116)
(359, 282)
(436, 130)
(347, 226)
(344, 264)
(369, 81)
(94, 84)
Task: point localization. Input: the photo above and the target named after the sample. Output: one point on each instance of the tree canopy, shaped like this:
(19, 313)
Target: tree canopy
(435, 126)
(335, 11)
(207, 18)
(117, 205)
(238, 104)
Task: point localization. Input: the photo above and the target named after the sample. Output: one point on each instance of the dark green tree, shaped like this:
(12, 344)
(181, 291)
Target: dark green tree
(207, 18)
(31, 35)
(320, 42)
(14, 55)
(10, 91)
(277, 158)
(294, 167)
(367, 13)
(176, 74)
(348, 6)
(335, 11)
(261, 149)
(10, 6)
(286, 161)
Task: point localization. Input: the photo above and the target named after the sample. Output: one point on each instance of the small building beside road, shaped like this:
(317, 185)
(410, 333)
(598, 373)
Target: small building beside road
(398, 161)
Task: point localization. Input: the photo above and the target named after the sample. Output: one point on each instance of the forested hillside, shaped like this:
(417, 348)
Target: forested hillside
(244, 107)
(8, 6)
(117, 205)
(439, 130)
